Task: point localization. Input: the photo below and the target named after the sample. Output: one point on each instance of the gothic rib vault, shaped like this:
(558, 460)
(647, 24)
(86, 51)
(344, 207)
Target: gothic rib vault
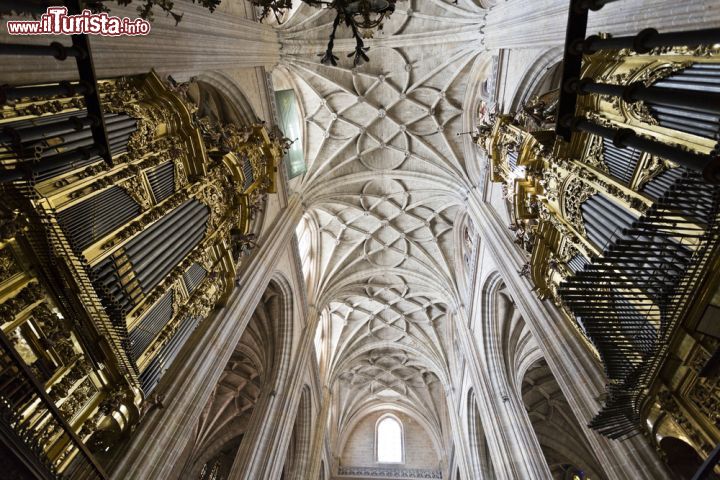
(385, 198)
(383, 282)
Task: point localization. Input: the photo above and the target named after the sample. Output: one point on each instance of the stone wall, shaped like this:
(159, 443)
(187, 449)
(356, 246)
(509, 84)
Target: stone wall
(359, 450)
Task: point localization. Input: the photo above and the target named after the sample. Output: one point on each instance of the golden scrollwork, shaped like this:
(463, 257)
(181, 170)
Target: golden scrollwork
(8, 265)
(670, 404)
(575, 193)
(228, 168)
(594, 155)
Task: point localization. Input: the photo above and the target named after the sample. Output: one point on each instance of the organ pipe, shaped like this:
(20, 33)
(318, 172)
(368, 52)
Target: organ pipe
(623, 222)
(120, 262)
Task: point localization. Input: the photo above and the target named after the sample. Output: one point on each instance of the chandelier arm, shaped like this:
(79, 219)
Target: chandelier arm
(362, 16)
(277, 17)
(360, 55)
(329, 58)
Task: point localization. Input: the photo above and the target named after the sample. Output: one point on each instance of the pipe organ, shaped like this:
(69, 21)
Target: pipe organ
(621, 225)
(106, 268)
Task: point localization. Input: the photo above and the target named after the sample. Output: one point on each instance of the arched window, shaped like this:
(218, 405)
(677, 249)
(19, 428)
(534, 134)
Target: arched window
(389, 440)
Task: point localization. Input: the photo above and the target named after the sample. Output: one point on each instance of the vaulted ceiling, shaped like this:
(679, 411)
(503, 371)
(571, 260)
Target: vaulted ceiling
(227, 414)
(385, 191)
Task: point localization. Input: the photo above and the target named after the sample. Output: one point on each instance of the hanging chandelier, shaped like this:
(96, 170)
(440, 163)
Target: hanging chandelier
(362, 16)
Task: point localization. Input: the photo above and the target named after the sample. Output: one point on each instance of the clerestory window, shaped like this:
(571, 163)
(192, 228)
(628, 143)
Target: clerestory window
(389, 440)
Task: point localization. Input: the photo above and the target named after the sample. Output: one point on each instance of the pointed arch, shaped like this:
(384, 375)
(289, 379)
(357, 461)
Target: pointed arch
(389, 439)
(561, 437)
(258, 366)
(535, 75)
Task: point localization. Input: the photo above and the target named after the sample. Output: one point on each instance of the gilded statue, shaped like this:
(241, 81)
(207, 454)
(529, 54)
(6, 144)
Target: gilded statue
(540, 113)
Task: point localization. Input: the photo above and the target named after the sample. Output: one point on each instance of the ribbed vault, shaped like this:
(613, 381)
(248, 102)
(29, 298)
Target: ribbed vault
(385, 187)
(228, 414)
(558, 433)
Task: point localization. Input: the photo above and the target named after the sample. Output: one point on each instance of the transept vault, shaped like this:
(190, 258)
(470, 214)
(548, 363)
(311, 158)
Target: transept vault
(298, 312)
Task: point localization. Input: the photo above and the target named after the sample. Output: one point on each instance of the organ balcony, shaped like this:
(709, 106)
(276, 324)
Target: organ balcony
(619, 217)
(108, 263)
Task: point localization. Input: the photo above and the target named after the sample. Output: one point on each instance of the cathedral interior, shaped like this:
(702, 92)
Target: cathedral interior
(362, 239)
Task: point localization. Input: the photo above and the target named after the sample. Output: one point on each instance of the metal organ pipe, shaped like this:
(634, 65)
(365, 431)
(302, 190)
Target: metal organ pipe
(162, 181)
(152, 255)
(97, 216)
(700, 79)
(604, 219)
(150, 377)
(626, 298)
(152, 323)
(50, 146)
(621, 162)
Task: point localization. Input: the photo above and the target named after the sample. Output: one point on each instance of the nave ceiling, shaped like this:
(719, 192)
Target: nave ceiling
(385, 195)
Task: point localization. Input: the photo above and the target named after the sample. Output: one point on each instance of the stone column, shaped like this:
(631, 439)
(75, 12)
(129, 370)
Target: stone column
(201, 42)
(542, 23)
(578, 373)
(318, 441)
(514, 449)
(304, 465)
(463, 457)
(256, 451)
(158, 442)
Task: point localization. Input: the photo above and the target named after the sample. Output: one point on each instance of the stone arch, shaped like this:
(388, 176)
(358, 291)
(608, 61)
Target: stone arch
(507, 339)
(434, 364)
(394, 420)
(396, 409)
(562, 439)
(257, 366)
(466, 256)
(282, 79)
(487, 288)
(518, 371)
(357, 447)
(225, 85)
(435, 287)
(475, 95)
(535, 76)
(309, 247)
(219, 97)
(283, 327)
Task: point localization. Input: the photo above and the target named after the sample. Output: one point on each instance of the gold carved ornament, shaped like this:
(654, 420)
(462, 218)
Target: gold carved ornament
(575, 193)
